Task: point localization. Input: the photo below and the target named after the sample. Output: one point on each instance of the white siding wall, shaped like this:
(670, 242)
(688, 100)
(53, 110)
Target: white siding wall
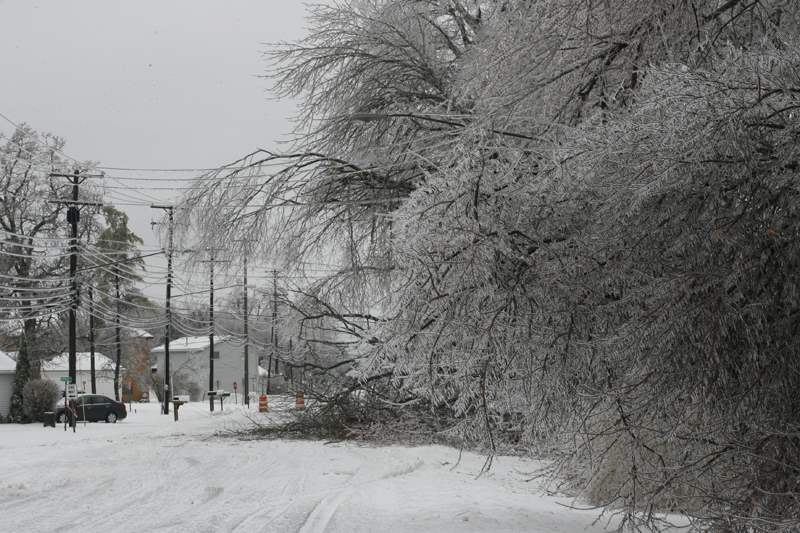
(194, 366)
(6, 388)
(104, 380)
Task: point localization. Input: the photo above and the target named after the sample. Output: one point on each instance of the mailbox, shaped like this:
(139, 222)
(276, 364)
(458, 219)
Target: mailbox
(176, 404)
(221, 394)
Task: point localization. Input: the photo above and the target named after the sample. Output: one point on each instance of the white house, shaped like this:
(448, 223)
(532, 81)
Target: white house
(188, 363)
(7, 367)
(58, 367)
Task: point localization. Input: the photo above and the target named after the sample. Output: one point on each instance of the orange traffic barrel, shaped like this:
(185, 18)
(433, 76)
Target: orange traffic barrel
(263, 406)
(299, 400)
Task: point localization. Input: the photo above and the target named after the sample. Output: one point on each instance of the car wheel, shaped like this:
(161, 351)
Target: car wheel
(111, 417)
(62, 417)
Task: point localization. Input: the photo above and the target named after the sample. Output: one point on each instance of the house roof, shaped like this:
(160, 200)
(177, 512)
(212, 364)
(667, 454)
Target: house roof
(191, 344)
(138, 333)
(7, 364)
(82, 363)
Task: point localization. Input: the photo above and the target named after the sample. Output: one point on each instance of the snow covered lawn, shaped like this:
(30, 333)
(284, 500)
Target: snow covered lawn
(148, 473)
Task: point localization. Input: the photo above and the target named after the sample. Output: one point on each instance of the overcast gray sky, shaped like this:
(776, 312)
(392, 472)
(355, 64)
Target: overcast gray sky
(146, 83)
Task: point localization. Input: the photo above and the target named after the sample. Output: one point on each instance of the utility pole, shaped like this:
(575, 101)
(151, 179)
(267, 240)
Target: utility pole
(92, 369)
(91, 339)
(73, 217)
(246, 317)
(274, 331)
(168, 328)
(117, 337)
(275, 317)
(246, 339)
(211, 334)
(211, 262)
(291, 363)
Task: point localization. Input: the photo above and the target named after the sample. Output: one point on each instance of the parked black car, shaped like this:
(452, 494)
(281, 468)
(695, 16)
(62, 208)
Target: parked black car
(95, 407)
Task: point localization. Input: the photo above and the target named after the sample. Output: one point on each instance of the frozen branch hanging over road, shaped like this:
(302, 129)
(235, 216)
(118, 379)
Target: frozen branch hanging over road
(580, 224)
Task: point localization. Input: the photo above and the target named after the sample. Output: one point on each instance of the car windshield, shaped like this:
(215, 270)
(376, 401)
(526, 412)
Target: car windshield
(79, 400)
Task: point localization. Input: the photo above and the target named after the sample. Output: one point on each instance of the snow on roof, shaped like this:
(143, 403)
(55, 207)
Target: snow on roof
(138, 333)
(83, 363)
(7, 364)
(191, 344)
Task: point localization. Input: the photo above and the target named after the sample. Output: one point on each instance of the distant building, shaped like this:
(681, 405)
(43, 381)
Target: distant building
(58, 367)
(188, 363)
(7, 368)
(135, 381)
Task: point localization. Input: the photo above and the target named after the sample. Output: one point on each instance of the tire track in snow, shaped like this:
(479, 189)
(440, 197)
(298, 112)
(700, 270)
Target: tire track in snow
(319, 518)
(251, 522)
(135, 502)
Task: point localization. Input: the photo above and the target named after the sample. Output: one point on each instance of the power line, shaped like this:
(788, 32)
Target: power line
(73, 216)
(17, 126)
(145, 169)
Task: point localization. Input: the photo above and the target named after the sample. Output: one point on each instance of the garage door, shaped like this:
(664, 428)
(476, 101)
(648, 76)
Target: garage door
(6, 386)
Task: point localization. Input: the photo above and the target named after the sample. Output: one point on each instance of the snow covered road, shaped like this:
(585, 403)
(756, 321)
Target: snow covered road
(148, 473)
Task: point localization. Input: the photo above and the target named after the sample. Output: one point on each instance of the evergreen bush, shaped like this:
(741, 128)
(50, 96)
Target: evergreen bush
(39, 396)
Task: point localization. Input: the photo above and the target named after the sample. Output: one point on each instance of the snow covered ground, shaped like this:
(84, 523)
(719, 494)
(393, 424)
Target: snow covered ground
(149, 473)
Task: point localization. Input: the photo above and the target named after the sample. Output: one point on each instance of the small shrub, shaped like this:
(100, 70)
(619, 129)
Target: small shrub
(39, 396)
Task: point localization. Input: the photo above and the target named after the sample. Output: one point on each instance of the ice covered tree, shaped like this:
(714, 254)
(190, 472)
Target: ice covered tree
(33, 247)
(115, 271)
(576, 222)
(622, 275)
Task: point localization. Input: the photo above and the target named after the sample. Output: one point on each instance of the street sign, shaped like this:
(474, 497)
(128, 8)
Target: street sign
(72, 391)
(66, 379)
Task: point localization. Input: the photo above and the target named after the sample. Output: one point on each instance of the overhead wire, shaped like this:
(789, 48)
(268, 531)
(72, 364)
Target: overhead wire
(140, 169)
(5, 233)
(32, 289)
(141, 198)
(48, 314)
(42, 301)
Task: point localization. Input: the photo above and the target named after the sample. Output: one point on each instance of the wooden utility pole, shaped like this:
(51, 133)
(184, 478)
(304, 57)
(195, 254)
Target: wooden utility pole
(92, 367)
(275, 317)
(246, 318)
(117, 337)
(274, 331)
(168, 328)
(211, 334)
(211, 262)
(246, 313)
(91, 340)
(290, 369)
(73, 217)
